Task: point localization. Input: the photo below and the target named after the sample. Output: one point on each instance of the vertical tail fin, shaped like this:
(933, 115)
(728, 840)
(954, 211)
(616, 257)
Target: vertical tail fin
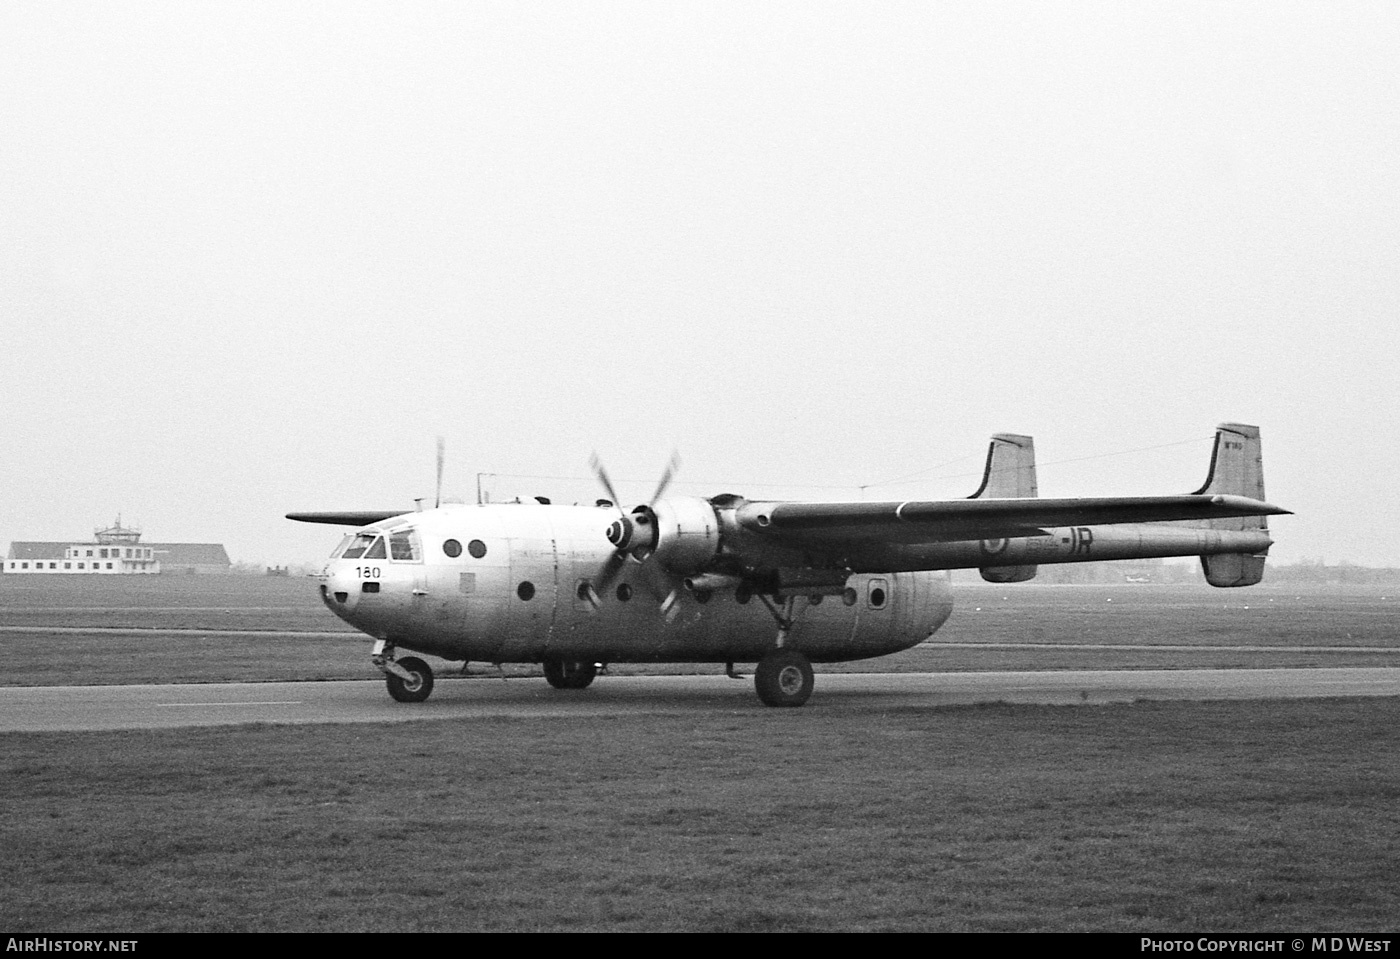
(1010, 470)
(1236, 469)
(1009, 474)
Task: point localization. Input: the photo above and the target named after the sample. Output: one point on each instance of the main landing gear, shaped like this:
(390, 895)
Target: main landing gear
(410, 680)
(562, 674)
(783, 678)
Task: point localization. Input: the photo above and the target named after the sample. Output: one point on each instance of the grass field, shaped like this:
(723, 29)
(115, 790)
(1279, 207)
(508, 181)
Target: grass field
(1164, 816)
(1220, 816)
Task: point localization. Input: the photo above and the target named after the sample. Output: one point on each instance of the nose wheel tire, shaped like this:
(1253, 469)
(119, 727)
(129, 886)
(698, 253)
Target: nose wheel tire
(413, 690)
(783, 678)
(569, 675)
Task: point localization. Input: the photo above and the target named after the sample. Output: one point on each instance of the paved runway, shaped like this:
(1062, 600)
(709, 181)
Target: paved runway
(54, 708)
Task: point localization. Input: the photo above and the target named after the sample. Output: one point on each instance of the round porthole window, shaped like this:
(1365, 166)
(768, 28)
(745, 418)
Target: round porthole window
(477, 548)
(849, 596)
(452, 548)
(526, 590)
(624, 592)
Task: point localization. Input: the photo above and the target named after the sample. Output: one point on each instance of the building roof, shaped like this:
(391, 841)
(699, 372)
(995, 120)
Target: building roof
(190, 554)
(37, 550)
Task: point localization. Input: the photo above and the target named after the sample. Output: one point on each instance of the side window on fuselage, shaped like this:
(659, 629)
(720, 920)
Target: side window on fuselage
(404, 546)
(877, 594)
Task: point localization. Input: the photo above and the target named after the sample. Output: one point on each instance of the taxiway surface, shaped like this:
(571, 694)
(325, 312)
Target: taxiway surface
(86, 708)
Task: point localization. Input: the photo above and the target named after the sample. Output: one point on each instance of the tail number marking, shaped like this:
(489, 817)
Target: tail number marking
(1080, 540)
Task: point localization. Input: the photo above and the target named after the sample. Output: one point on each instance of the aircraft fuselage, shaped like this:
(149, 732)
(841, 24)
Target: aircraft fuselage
(514, 582)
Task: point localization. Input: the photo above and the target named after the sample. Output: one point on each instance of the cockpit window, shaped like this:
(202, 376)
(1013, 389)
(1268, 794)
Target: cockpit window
(377, 550)
(340, 547)
(361, 543)
(404, 545)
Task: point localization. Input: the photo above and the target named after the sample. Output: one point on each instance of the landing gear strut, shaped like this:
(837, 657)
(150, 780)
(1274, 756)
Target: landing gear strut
(562, 674)
(783, 678)
(410, 680)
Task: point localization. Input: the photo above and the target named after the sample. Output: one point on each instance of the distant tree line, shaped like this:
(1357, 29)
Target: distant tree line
(1159, 571)
(1316, 571)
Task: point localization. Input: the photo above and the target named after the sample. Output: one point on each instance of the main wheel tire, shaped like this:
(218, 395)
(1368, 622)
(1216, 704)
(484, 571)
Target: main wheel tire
(562, 674)
(414, 690)
(784, 678)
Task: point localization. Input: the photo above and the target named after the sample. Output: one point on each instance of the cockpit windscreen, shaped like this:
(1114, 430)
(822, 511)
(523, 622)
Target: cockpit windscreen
(364, 546)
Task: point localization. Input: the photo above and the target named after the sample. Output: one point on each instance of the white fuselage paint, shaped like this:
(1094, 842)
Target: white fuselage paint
(520, 602)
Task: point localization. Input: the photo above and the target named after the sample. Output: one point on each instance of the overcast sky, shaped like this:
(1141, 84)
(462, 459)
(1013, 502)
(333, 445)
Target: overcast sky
(256, 257)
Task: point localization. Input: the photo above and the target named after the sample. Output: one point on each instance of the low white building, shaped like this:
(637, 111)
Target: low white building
(116, 550)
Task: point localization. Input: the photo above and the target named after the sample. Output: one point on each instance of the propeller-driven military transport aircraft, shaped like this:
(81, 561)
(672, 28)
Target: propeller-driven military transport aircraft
(731, 580)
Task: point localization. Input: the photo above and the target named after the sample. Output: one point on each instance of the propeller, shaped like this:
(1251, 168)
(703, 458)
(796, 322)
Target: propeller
(636, 536)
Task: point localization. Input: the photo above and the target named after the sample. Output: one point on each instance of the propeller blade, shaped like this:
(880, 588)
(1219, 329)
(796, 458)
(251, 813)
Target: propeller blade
(662, 590)
(609, 573)
(602, 475)
(666, 477)
(441, 451)
(590, 593)
(669, 607)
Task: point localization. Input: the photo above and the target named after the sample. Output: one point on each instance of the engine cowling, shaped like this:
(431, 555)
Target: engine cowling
(687, 534)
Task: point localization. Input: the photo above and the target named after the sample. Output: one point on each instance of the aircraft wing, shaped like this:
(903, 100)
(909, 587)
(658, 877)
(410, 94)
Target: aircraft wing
(350, 518)
(798, 524)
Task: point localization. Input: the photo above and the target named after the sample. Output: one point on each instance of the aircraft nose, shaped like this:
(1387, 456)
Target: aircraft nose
(340, 591)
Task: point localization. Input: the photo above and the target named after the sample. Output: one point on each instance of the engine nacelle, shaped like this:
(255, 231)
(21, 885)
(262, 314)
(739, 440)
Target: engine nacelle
(687, 534)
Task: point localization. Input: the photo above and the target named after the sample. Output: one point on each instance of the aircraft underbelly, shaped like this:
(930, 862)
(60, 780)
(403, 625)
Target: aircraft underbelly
(825, 629)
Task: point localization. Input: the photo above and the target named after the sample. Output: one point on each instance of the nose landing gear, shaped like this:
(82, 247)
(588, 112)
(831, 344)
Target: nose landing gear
(410, 680)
